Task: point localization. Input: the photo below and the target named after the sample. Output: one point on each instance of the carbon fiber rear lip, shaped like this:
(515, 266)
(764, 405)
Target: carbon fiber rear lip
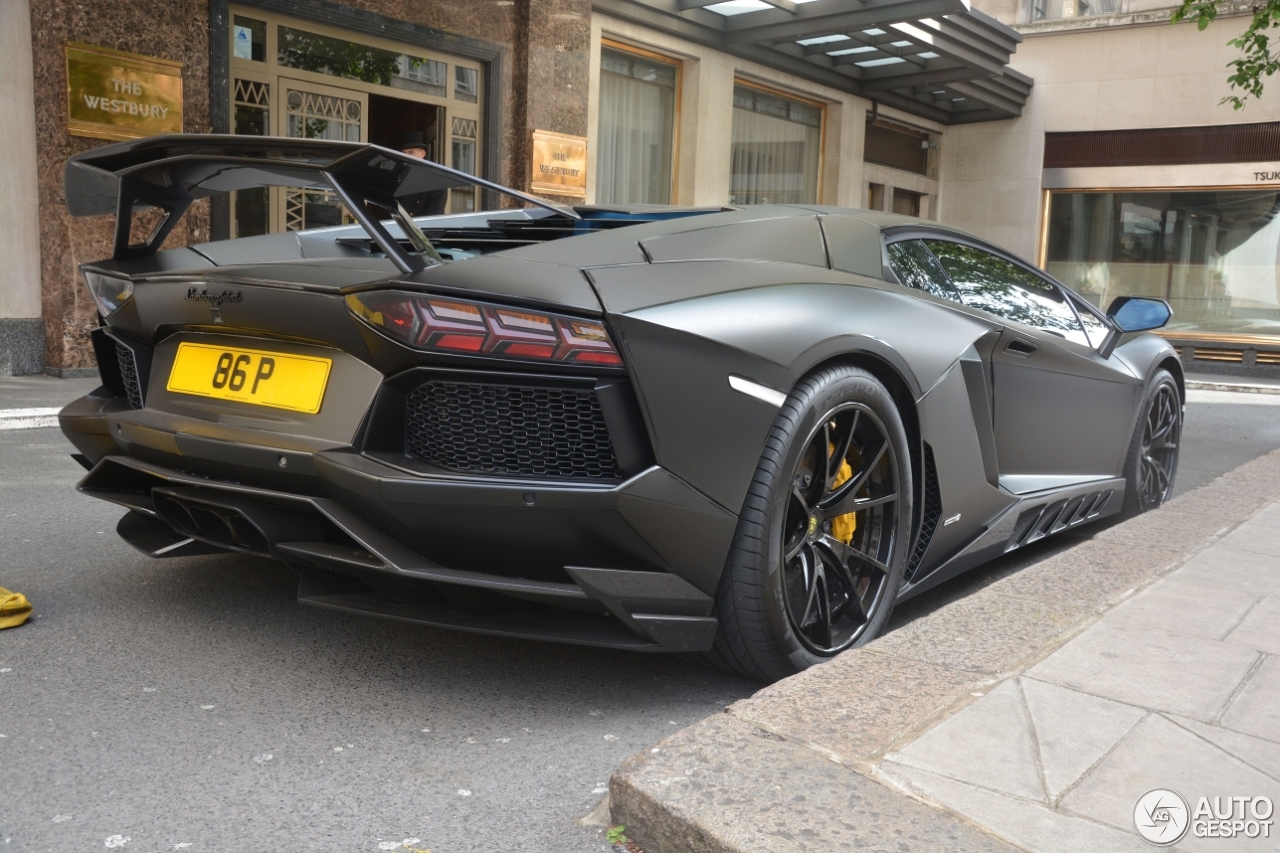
(643, 611)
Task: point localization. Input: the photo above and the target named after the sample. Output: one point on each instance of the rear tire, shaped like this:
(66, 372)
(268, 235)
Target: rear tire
(1152, 462)
(803, 582)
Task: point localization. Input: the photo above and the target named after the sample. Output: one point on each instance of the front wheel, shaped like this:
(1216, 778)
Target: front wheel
(1152, 462)
(823, 536)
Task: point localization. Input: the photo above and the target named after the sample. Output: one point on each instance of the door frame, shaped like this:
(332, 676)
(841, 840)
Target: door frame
(491, 57)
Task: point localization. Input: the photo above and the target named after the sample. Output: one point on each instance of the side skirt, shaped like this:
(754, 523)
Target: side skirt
(1031, 519)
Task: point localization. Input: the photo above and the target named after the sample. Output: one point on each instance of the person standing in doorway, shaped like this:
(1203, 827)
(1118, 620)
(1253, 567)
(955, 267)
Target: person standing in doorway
(431, 203)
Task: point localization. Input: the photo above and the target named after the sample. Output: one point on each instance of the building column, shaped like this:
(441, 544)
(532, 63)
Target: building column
(550, 77)
(21, 326)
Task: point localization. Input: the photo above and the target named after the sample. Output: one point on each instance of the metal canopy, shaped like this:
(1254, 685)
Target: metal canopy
(938, 59)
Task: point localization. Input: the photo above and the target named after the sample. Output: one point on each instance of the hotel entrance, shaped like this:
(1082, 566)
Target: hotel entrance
(308, 81)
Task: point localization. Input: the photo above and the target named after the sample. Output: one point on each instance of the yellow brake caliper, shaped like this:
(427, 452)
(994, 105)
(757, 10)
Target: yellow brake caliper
(843, 526)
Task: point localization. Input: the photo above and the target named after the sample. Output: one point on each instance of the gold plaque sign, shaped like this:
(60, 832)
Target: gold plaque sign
(559, 164)
(115, 95)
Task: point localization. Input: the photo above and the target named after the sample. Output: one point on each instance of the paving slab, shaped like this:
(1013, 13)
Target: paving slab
(1073, 731)
(1255, 710)
(1257, 539)
(1150, 667)
(1188, 606)
(990, 744)
(1029, 825)
(1161, 754)
(1234, 569)
(1261, 755)
(1260, 628)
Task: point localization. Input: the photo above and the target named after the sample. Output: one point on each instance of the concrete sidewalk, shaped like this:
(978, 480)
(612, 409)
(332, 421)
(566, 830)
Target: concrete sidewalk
(1030, 715)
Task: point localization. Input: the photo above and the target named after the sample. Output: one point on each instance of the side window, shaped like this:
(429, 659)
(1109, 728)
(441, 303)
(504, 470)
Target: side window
(915, 266)
(1096, 329)
(1006, 290)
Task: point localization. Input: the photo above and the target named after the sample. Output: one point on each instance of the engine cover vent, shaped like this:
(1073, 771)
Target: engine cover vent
(512, 430)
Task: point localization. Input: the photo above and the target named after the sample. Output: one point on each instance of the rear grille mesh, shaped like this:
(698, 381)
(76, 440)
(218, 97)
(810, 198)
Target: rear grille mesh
(129, 375)
(515, 430)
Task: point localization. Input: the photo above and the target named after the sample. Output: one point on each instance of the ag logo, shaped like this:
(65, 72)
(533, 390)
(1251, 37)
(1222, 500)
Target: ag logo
(1161, 816)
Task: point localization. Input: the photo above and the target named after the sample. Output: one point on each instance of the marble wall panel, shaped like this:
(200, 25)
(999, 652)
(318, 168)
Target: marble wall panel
(170, 29)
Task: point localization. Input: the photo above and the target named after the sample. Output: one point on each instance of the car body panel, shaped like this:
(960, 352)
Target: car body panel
(717, 314)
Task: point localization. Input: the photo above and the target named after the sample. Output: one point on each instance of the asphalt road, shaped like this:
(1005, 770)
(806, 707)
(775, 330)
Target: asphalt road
(193, 702)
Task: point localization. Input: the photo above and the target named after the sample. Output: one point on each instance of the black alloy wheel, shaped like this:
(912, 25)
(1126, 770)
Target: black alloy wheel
(1152, 463)
(839, 529)
(1158, 453)
(824, 532)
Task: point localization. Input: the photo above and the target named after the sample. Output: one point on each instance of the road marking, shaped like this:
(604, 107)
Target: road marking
(28, 418)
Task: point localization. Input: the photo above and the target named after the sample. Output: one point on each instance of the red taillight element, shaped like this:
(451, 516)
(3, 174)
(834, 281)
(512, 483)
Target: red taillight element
(453, 325)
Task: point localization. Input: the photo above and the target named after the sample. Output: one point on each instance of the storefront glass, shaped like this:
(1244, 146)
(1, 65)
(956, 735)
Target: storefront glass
(637, 129)
(776, 145)
(1213, 254)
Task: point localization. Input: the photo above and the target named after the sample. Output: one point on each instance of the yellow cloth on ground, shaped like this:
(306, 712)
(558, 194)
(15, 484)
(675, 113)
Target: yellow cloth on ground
(14, 608)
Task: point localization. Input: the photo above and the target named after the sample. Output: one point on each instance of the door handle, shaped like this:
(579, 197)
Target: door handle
(1022, 348)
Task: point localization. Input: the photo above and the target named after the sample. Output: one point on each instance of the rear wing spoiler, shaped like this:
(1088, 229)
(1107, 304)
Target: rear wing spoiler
(170, 172)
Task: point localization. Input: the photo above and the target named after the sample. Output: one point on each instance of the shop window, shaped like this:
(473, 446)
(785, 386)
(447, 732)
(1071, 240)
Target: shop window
(897, 148)
(1051, 10)
(635, 146)
(775, 150)
(466, 84)
(248, 39)
(1211, 253)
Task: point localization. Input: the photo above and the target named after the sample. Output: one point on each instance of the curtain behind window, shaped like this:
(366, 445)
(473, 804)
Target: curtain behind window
(775, 149)
(637, 124)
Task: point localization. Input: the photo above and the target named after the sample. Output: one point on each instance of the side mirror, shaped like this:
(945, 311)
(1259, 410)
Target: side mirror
(1133, 314)
(1138, 313)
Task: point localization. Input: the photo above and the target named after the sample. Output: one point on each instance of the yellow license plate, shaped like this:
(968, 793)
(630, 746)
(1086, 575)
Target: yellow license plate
(293, 382)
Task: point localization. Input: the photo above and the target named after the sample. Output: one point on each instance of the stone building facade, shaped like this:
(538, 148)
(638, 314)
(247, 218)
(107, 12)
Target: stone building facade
(1085, 135)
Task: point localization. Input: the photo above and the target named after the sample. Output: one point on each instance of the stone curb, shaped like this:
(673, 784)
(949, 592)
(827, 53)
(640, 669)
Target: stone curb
(793, 767)
(1238, 387)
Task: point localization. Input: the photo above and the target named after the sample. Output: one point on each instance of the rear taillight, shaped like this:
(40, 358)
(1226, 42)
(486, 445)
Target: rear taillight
(442, 324)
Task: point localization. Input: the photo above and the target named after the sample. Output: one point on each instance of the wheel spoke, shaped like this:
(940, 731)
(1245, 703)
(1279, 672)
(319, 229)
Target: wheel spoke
(841, 451)
(810, 584)
(833, 504)
(869, 561)
(853, 504)
(824, 605)
(838, 554)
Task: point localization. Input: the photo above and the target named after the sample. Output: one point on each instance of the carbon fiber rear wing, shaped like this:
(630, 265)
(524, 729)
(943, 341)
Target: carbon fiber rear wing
(170, 172)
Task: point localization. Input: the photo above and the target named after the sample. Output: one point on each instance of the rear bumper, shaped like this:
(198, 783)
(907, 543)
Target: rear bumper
(631, 565)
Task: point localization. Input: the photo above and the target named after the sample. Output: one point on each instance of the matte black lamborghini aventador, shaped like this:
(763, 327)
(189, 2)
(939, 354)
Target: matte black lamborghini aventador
(743, 433)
